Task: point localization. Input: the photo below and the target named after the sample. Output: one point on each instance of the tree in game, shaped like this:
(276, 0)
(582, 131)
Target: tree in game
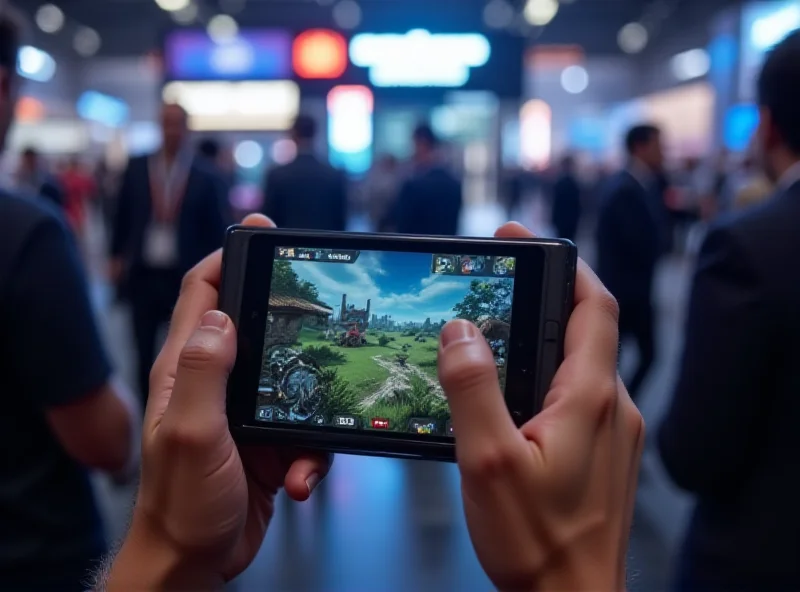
(285, 282)
(486, 299)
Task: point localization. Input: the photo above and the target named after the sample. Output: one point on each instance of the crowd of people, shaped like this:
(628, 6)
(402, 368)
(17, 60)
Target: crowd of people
(548, 506)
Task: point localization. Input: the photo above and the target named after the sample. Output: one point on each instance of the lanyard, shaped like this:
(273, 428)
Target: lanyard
(167, 187)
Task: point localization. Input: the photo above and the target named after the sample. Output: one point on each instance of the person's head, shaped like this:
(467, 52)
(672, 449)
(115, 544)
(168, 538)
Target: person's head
(10, 33)
(304, 130)
(778, 135)
(209, 149)
(425, 142)
(174, 127)
(643, 142)
(29, 160)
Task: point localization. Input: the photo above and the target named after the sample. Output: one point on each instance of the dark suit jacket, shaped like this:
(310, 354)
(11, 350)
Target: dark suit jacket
(429, 203)
(306, 193)
(629, 239)
(732, 433)
(566, 209)
(203, 218)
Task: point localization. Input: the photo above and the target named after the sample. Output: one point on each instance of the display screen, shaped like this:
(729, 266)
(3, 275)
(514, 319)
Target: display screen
(352, 337)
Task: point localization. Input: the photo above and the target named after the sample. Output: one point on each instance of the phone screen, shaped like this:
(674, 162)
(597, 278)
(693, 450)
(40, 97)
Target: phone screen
(352, 337)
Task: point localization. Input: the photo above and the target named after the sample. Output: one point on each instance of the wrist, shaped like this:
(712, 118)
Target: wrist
(149, 561)
(587, 572)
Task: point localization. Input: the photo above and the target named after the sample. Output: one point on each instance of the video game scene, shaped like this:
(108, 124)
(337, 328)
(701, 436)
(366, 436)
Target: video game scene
(352, 336)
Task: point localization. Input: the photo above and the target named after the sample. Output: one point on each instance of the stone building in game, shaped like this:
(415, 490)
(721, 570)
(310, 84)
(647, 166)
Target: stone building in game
(287, 315)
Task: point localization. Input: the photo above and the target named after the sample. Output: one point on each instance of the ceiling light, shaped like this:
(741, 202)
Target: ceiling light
(86, 42)
(691, 64)
(186, 15)
(347, 14)
(575, 79)
(498, 14)
(49, 18)
(172, 5)
(540, 12)
(222, 28)
(248, 154)
(632, 38)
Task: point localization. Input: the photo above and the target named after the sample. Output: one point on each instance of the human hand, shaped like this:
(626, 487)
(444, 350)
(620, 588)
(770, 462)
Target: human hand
(204, 504)
(549, 505)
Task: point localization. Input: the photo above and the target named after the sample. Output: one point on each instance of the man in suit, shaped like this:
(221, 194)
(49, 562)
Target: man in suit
(630, 238)
(429, 201)
(732, 433)
(306, 193)
(34, 179)
(566, 210)
(172, 212)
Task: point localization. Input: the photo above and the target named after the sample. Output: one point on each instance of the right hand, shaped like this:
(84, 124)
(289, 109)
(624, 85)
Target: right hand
(548, 506)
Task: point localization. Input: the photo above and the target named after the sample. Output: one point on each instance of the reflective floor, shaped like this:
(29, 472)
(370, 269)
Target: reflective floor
(387, 525)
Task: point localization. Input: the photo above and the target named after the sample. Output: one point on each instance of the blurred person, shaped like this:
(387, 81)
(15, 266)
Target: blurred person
(79, 190)
(566, 194)
(513, 189)
(33, 178)
(62, 412)
(429, 201)
(731, 432)
(306, 193)
(380, 189)
(631, 233)
(204, 503)
(171, 212)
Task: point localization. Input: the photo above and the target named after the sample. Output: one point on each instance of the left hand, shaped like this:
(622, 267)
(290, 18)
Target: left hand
(204, 504)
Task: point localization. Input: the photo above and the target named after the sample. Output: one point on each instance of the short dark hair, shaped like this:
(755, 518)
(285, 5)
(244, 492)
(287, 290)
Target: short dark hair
(30, 152)
(424, 133)
(209, 148)
(639, 135)
(779, 89)
(10, 37)
(304, 127)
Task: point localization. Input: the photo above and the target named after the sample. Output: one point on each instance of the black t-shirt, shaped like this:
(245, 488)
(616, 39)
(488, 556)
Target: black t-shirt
(50, 355)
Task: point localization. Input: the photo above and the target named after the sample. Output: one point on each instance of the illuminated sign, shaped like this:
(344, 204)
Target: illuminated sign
(350, 128)
(35, 64)
(768, 30)
(419, 58)
(95, 106)
(236, 106)
(251, 55)
(319, 54)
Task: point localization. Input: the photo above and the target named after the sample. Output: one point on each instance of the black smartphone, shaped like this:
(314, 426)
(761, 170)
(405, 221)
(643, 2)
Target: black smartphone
(338, 333)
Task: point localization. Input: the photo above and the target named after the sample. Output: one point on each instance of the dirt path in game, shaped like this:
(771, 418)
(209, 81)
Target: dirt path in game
(399, 379)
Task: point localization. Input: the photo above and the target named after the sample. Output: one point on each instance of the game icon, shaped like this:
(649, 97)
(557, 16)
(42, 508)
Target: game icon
(504, 265)
(345, 421)
(467, 265)
(290, 253)
(444, 264)
(422, 426)
(265, 413)
(380, 424)
(318, 420)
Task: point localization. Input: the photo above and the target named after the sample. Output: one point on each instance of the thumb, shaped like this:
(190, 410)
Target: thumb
(198, 396)
(468, 373)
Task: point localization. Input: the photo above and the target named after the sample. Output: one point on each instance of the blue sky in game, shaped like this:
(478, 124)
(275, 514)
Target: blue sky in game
(399, 284)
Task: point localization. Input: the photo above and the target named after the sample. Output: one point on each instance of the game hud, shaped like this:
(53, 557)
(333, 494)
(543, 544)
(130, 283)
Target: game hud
(352, 336)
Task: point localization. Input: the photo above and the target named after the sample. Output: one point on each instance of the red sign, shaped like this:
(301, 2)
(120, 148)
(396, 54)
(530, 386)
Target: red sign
(380, 424)
(319, 54)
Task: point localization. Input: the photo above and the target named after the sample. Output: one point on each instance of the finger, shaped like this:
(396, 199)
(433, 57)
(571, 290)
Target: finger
(513, 230)
(305, 473)
(485, 434)
(198, 397)
(258, 220)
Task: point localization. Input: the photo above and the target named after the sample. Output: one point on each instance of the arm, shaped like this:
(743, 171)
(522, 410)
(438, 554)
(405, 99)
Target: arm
(58, 354)
(704, 440)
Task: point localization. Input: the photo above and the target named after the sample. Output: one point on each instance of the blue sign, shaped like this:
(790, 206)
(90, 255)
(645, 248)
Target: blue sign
(741, 122)
(251, 55)
(105, 109)
(419, 58)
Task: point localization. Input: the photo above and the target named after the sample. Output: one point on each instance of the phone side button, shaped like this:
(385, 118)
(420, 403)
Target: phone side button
(551, 331)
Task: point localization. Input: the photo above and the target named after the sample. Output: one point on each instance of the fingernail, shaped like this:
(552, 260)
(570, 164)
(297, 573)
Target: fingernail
(312, 482)
(457, 331)
(214, 319)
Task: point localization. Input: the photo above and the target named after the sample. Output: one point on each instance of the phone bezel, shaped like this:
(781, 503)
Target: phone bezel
(247, 267)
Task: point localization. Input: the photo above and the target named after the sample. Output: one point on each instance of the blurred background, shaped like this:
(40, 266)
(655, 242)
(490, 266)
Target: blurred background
(508, 89)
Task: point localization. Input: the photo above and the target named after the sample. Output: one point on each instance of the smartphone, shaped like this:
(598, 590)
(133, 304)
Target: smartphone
(338, 333)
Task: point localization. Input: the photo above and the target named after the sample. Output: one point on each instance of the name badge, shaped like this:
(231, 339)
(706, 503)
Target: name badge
(161, 245)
